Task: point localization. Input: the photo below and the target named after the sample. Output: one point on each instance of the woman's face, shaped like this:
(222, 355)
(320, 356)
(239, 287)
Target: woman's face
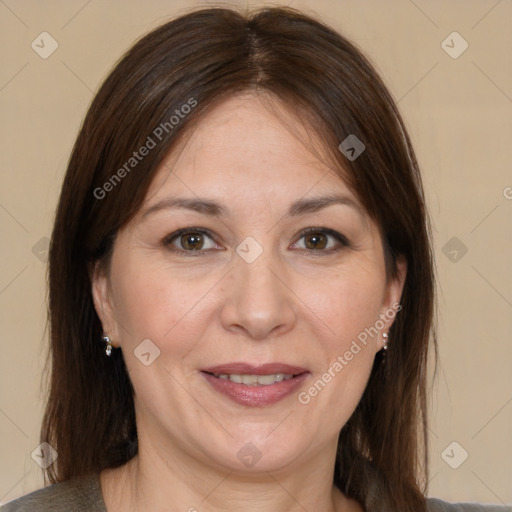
(247, 251)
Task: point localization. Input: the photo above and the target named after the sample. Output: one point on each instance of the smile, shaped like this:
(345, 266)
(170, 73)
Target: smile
(255, 380)
(255, 386)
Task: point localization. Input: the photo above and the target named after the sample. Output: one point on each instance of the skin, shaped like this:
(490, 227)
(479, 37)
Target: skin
(293, 304)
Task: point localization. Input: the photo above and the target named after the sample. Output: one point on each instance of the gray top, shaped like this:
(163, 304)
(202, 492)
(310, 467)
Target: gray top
(79, 495)
(84, 495)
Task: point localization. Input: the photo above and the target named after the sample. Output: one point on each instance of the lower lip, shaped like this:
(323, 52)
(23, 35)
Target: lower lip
(255, 396)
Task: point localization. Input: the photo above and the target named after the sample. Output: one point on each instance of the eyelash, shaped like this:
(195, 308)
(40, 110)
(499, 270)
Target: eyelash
(167, 241)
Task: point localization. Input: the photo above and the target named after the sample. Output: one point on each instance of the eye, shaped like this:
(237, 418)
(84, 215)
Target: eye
(199, 240)
(190, 240)
(322, 240)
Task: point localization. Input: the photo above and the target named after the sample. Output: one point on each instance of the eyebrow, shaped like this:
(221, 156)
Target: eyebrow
(209, 207)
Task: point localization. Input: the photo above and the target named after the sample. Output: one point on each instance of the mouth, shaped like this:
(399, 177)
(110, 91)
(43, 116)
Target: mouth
(254, 380)
(255, 386)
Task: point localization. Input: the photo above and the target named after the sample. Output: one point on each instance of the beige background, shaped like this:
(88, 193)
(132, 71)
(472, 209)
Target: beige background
(459, 115)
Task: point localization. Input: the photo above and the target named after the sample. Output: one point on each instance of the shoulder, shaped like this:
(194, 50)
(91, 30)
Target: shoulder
(79, 495)
(436, 505)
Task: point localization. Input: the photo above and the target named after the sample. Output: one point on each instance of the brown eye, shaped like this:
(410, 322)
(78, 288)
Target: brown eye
(315, 241)
(192, 241)
(322, 240)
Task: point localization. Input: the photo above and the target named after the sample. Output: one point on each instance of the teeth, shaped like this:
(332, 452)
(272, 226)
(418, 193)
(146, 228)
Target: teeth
(235, 378)
(255, 380)
(265, 380)
(250, 380)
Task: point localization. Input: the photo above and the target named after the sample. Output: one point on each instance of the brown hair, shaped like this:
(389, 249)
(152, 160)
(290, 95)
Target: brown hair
(206, 56)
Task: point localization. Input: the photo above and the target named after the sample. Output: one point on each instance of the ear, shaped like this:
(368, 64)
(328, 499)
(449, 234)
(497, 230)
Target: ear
(391, 304)
(103, 303)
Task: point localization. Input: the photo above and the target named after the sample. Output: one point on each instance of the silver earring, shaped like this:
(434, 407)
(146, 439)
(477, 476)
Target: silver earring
(108, 341)
(385, 340)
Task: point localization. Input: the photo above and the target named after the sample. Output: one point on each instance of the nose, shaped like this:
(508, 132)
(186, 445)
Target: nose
(258, 300)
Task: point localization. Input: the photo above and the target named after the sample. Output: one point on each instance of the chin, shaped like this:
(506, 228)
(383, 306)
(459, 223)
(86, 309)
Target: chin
(259, 455)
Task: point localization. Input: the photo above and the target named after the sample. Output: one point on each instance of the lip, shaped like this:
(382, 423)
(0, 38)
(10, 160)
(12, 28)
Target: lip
(249, 369)
(255, 396)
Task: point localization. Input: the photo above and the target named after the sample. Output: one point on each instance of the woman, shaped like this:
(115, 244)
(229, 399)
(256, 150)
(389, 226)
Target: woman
(241, 282)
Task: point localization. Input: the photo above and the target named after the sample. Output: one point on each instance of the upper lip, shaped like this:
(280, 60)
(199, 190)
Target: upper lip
(239, 368)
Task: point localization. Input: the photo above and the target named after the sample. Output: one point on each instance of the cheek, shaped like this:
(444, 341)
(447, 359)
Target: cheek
(348, 307)
(158, 303)
(349, 303)
(161, 305)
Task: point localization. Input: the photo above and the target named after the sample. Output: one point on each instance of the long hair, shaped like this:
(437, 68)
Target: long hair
(199, 59)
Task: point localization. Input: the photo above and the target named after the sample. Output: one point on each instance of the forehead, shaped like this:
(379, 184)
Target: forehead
(254, 145)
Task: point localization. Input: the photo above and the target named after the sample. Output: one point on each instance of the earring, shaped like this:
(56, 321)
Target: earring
(108, 341)
(385, 340)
